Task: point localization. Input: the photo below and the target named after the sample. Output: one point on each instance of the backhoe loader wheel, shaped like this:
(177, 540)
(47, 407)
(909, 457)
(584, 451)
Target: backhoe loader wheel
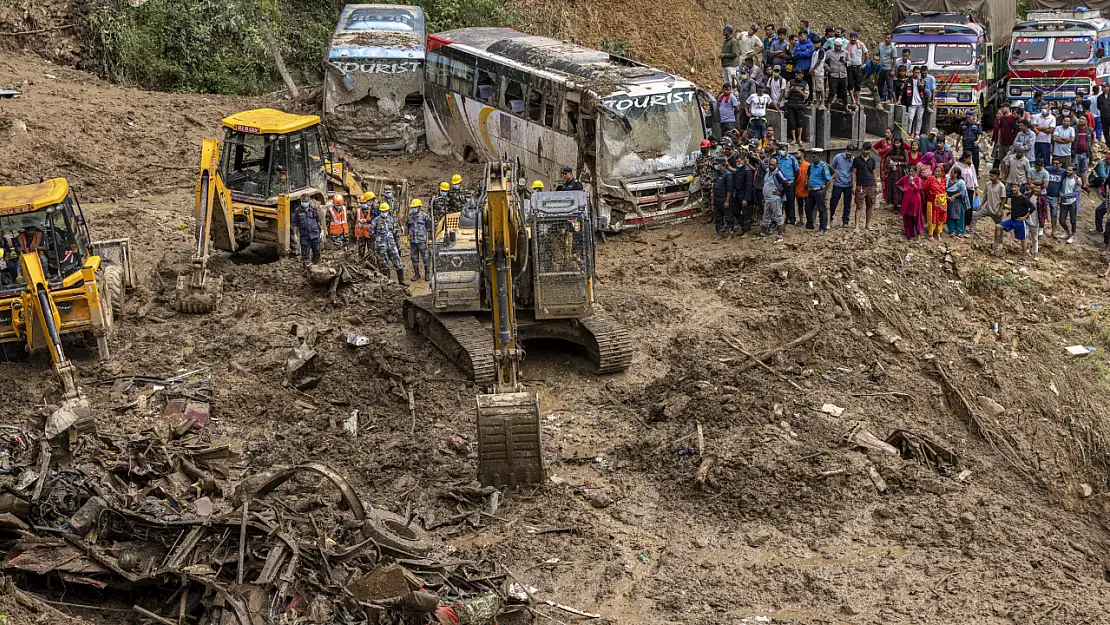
(390, 530)
(113, 284)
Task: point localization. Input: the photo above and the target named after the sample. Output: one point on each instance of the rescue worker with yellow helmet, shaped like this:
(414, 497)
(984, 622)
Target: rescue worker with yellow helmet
(367, 210)
(419, 227)
(440, 202)
(338, 229)
(387, 239)
(456, 197)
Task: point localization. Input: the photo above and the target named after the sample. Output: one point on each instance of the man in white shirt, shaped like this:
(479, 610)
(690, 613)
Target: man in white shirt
(1063, 138)
(757, 111)
(857, 56)
(751, 45)
(776, 88)
(1044, 123)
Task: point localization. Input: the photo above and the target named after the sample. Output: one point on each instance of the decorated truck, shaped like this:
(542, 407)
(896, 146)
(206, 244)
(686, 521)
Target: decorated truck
(963, 43)
(1055, 51)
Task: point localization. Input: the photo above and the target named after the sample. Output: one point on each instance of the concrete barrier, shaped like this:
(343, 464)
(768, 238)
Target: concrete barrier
(822, 127)
(777, 120)
(847, 126)
(879, 118)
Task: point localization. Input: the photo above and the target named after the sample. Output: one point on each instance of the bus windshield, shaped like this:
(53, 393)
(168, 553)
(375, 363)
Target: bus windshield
(644, 135)
(919, 52)
(1029, 48)
(1071, 48)
(949, 54)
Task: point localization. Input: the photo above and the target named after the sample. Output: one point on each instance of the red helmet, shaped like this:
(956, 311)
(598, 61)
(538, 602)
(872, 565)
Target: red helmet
(705, 143)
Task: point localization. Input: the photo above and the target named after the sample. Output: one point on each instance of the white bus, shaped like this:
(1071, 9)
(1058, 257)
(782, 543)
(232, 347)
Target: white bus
(630, 132)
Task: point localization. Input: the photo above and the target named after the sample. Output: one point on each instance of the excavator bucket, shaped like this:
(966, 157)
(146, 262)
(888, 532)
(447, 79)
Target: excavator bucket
(198, 291)
(509, 448)
(199, 299)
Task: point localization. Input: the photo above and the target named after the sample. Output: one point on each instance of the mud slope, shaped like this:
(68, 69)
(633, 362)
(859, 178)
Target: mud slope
(993, 516)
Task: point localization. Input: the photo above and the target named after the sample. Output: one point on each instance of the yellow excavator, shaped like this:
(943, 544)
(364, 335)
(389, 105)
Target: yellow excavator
(56, 282)
(514, 270)
(268, 160)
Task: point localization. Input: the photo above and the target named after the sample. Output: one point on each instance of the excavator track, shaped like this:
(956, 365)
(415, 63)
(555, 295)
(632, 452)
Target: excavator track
(461, 336)
(611, 350)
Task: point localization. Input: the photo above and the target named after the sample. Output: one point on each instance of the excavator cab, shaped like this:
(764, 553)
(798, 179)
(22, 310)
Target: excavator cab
(563, 248)
(54, 280)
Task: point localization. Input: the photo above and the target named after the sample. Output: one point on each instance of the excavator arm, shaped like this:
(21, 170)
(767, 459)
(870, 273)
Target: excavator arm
(199, 292)
(42, 322)
(509, 446)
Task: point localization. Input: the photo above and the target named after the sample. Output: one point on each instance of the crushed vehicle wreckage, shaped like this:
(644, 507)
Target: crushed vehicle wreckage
(161, 519)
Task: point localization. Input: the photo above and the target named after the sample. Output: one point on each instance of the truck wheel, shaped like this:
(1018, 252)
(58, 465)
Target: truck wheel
(389, 530)
(113, 284)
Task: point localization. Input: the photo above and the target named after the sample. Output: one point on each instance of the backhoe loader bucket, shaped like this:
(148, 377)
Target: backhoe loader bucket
(509, 448)
(193, 299)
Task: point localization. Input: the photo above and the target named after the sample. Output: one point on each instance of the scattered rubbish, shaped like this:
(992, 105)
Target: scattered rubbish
(860, 437)
(350, 424)
(51, 76)
(1052, 387)
(357, 340)
(832, 409)
(1085, 490)
(918, 447)
(876, 479)
(8, 92)
(996, 327)
(963, 476)
(991, 407)
(70, 413)
(645, 558)
(1079, 350)
(459, 444)
(574, 611)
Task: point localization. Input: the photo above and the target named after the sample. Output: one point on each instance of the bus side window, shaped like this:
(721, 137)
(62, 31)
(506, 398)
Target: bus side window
(589, 129)
(514, 97)
(571, 110)
(549, 115)
(462, 77)
(487, 87)
(535, 105)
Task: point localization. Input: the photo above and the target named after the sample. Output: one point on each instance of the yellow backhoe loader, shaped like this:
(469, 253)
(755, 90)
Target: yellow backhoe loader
(267, 160)
(55, 281)
(516, 275)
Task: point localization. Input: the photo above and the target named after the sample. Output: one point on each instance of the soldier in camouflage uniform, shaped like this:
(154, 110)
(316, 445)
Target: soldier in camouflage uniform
(456, 197)
(703, 174)
(419, 226)
(440, 202)
(384, 230)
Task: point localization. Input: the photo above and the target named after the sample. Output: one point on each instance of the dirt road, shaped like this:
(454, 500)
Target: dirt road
(981, 518)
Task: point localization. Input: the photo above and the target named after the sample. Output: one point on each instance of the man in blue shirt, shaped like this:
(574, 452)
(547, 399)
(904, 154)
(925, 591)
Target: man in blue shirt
(1034, 104)
(930, 85)
(789, 167)
(820, 177)
(803, 52)
(842, 182)
(780, 51)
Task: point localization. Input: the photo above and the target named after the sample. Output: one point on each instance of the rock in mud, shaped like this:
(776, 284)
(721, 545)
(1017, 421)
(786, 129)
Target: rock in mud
(991, 407)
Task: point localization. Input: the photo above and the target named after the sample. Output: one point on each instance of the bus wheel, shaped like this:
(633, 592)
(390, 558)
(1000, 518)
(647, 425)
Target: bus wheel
(470, 155)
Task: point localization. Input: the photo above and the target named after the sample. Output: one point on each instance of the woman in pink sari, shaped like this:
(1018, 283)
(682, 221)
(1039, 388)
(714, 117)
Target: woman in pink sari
(911, 186)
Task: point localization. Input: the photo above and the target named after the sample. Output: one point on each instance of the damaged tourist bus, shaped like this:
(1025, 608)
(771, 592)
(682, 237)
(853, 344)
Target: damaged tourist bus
(374, 83)
(629, 131)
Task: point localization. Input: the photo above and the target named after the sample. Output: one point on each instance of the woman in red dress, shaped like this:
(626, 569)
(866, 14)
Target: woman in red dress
(910, 185)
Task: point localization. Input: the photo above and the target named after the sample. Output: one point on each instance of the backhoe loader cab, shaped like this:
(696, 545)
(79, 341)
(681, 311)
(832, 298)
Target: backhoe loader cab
(268, 153)
(54, 280)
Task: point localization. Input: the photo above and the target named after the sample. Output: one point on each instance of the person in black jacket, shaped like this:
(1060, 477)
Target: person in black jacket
(742, 181)
(1103, 103)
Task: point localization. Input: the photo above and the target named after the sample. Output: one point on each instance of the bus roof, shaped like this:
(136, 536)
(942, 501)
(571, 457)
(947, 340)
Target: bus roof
(32, 197)
(599, 71)
(269, 121)
(378, 31)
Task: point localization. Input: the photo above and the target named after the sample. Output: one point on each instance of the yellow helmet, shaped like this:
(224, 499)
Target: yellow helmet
(537, 185)
(415, 203)
(384, 207)
(443, 186)
(456, 179)
(366, 197)
(337, 199)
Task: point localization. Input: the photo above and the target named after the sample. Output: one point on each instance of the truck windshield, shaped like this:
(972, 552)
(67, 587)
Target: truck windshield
(949, 54)
(648, 134)
(1029, 48)
(919, 52)
(1071, 48)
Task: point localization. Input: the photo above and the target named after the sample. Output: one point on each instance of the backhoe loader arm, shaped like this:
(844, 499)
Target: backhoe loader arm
(214, 226)
(42, 321)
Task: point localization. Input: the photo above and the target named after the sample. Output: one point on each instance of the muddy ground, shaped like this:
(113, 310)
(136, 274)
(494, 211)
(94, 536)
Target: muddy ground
(792, 523)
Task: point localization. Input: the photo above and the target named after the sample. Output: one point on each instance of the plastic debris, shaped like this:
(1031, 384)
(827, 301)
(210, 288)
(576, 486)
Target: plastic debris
(1079, 350)
(357, 340)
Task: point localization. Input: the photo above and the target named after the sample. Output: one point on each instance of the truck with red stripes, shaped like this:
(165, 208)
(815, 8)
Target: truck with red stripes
(1054, 52)
(964, 44)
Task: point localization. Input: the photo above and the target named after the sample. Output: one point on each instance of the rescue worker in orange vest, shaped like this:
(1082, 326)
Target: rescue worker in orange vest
(30, 240)
(363, 215)
(337, 223)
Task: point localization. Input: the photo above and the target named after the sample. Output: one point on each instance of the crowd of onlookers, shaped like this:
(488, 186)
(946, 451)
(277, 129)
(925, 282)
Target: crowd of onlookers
(1041, 156)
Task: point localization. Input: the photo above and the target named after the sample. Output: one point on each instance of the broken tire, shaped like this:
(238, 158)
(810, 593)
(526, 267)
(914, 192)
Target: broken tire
(389, 531)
